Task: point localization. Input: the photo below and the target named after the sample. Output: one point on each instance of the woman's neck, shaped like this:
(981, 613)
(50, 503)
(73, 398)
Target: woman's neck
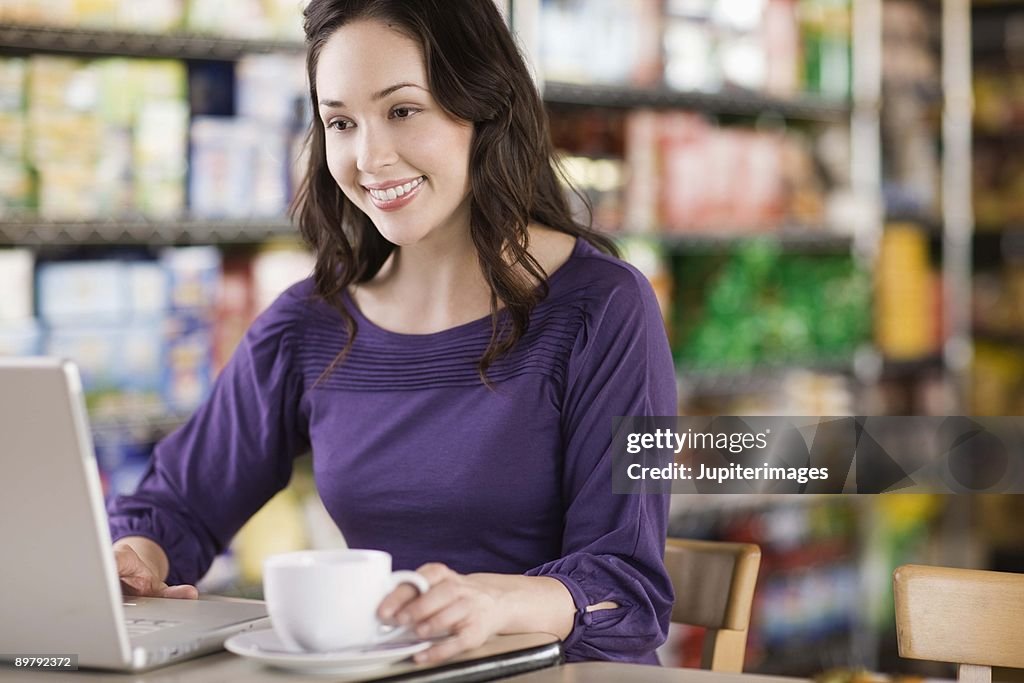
(436, 285)
(426, 287)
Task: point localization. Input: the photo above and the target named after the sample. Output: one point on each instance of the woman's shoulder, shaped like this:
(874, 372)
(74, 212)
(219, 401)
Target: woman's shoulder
(599, 274)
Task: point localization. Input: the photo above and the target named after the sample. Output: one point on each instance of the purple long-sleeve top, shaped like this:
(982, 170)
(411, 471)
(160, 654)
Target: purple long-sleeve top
(414, 455)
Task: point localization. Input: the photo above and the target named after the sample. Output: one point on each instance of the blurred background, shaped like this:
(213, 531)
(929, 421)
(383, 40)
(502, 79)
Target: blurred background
(827, 196)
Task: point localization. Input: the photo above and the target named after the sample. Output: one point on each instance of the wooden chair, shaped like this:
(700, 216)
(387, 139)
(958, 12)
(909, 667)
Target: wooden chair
(714, 586)
(969, 617)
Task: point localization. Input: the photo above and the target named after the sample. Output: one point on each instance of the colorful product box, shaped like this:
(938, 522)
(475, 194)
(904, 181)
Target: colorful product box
(193, 278)
(160, 158)
(94, 349)
(237, 19)
(77, 292)
(13, 72)
(16, 266)
(100, 14)
(142, 353)
(62, 84)
(270, 88)
(102, 292)
(123, 455)
(12, 136)
(235, 308)
(148, 290)
(188, 363)
(276, 268)
(222, 159)
(152, 16)
(239, 168)
(116, 359)
(16, 195)
(20, 338)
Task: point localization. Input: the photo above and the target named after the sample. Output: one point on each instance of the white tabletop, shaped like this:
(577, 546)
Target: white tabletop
(224, 666)
(609, 672)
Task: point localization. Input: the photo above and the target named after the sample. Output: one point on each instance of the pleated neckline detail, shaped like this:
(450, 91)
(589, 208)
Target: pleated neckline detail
(383, 360)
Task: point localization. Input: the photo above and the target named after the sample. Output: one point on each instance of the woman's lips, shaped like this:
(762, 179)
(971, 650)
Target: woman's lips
(397, 202)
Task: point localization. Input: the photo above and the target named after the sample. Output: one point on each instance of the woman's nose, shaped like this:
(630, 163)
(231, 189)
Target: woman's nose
(376, 150)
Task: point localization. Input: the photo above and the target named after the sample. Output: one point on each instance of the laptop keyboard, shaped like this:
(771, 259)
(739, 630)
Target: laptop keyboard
(141, 627)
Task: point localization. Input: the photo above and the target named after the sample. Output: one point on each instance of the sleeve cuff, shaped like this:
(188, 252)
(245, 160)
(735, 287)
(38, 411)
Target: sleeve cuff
(582, 617)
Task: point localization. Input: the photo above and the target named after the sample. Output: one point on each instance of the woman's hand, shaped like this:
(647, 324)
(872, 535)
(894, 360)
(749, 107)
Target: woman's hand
(470, 608)
(457, 605)
(139, 579)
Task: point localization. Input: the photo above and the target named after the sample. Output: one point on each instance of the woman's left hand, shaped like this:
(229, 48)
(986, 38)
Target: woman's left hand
(469, 608)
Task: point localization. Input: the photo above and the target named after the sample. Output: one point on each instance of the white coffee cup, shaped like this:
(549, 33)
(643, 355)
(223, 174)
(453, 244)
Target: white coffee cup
(325, 600)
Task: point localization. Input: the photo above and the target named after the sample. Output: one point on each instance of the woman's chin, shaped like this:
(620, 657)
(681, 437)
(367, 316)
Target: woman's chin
(401, 239)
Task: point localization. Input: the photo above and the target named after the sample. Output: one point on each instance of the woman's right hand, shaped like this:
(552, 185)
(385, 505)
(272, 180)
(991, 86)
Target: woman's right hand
(139, 579)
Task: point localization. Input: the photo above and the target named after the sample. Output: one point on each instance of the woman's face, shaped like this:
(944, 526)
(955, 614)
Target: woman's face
(392, 150)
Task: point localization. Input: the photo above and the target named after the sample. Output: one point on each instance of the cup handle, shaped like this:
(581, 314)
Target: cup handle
(417, 581)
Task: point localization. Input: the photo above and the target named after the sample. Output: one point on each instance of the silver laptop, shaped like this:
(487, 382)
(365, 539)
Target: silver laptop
(58, 582)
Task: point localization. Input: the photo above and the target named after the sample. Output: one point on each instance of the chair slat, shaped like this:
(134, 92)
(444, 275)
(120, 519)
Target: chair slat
(714, 585)
(964, 616)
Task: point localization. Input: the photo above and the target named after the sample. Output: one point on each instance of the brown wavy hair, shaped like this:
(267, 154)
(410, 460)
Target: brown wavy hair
(475, 73)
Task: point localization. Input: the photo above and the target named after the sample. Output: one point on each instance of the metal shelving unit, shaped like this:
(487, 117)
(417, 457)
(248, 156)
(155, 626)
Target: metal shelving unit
(34, 232)
(789, 238)
(957, 199)
(995, 27)
(754, 380)
(734, 103)
(860, 115)
(929, 224)
(1004, 338)
(148, 420)
(897, 369)
(29, 39)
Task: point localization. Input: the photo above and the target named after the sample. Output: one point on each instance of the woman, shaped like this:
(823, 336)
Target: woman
(454, 363)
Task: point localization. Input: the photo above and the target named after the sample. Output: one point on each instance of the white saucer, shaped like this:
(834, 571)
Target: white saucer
(266, 648)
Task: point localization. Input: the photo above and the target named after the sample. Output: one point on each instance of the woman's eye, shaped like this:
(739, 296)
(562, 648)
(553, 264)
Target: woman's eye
(339, 125)
(403, 112)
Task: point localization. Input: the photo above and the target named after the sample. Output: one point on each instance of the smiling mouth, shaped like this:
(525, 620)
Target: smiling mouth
(393, 194)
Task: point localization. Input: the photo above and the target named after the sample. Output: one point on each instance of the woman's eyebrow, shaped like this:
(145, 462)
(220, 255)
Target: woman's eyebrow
(376, 96)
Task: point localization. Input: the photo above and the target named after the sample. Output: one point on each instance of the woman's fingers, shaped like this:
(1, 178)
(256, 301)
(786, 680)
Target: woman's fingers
(140, 582)
(138, 579)
(182, 592)
(395, 603)
(466, 639)
(138, 586)
(458, 606)
(435, 572)
(440, 596)
(444, 621)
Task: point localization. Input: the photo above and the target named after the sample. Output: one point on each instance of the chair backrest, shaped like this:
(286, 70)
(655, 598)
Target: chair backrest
(714, 585)
(969, 617)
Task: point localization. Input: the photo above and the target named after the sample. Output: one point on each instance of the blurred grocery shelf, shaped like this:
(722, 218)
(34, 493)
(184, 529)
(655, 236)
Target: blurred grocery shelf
(727, 502)
(29, 232)
(790, 238)
(996, 27)
(736, 102)
(756, 379)
(34, 39)
(1002, 337)
(928, 223)
(731, 102)
(908, 368)
(151, 419)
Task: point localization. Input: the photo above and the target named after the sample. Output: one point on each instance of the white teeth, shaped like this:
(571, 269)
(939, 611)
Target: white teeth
(393, 193)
